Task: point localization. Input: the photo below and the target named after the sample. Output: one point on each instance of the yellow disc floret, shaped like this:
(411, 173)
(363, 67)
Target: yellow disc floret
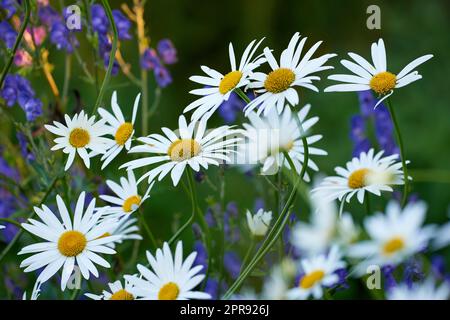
(131, 202)
(310, 279)
(279, 80)
(230, 81)
(183, 149)
(383, 82)
(358, 178)
(122, 294)
(123, 133)
(79, 137)
(393, 245)
(71, 243)
(169, 291)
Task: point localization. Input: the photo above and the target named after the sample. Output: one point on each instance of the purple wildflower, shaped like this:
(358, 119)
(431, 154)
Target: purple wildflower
(167, 51)
(388, 272)
(48, 16)
(358, 135)
(413, 272)
(232, 264)
(7, 34)
(162, 76)
(9, 6)
(229, 109)
(150, 59)
(202, 256)
(212, 287)
(100, 23)
(197, 231)
(61, 36)
(123, 25)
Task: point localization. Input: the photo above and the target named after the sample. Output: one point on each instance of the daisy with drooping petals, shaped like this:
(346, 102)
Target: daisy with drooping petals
(368, 173)
(127, 199)
(70, 243)
(277, 87)
(376, 76)
(428, 290)
(169, 278)
(122, 130)
(259, 222)
(118, 292)
(79, 135)
(221, 86)
(395, 236)
(192, 146)
(271, 135)
(125, 229)
(318, 272)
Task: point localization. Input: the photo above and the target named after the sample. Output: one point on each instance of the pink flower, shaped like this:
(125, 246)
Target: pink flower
(22, 58)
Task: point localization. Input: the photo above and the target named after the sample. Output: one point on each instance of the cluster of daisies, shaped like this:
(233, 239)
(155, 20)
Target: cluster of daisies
(276, 136)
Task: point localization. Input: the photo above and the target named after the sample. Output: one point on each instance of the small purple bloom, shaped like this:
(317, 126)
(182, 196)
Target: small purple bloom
(122, 24)
(342, 282)
(232, 264)
(210, 219)
(48, 16)
(413, 272)
(61, 36)
(150, 59)
(366, 103)
(388, 272)
(232, 208)
(197, 231)
(100, 23)
(162, 76)
(202, 256)
(9, 6)
(212, 287)
(7, 34)
(230, 108)
(167, 51)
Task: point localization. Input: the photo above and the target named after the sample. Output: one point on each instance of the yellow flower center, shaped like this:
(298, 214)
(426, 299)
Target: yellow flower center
(130, 203)
(123, 133)
(183, 149)
(79, 137)
(230, 81)
(310, 279)
(71, 243)
(169, 291)
(393, 245)
(358, 178)
(279, 80)
(383, 82)
(122, 294)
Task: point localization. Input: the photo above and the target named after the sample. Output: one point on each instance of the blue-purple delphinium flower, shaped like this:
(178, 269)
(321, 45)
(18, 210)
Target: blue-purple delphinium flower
(9, 6)
(150, 59)
(202, 256)
(210, 218)
(123, 25)
(413, 271)
(162, 76)
(23, 144)
(212, 287)
(342, 282)
(382, 124)
(7, 34)
(167, 51)
(18, 89)
(229, 109)
(62, 37)
(100, 23)
(388, 272)
(232, 264)
(48, 15)
(197, 230)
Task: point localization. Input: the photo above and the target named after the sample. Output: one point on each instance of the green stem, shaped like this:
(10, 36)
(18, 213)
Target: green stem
(402, 151)
(249, 251)
(16, 43)
(147, 230)
(242, 95)
(20, 232)
(67, 72)
(144, 102)
(112, 55)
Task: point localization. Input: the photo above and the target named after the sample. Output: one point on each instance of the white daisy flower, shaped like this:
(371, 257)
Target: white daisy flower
(427, 290)
(221, 86)
(79, 135)
(376, 76)
(68, 243)
(368, 173)
(277, 87)
(169, 278)
(127, 199)
(259, 222)
(324, 229)
(35, 293)
(121, 130)
(118, 292)
(318, 272)
(394, 236)
(192, 146)
(276, 285)
(125, 229)
(270, 135)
